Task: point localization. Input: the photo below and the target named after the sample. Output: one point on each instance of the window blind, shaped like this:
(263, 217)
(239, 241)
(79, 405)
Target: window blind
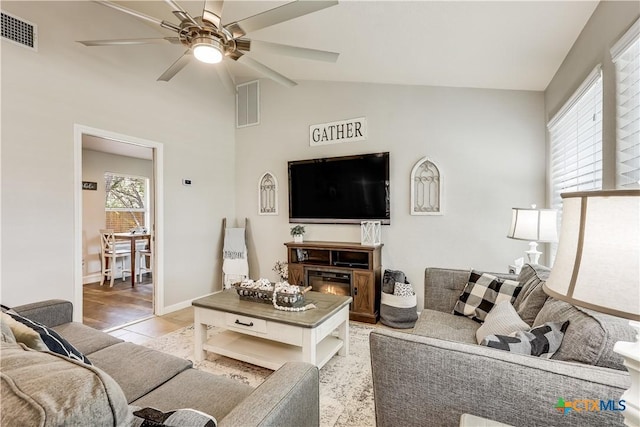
(626, 57)
(576, 141)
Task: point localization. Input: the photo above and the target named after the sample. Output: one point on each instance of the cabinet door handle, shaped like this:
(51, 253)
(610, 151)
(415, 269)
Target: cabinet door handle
(355, 291)
(238, 322)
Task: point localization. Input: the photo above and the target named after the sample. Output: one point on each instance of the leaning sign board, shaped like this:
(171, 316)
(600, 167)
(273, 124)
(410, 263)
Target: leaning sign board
(350, 130)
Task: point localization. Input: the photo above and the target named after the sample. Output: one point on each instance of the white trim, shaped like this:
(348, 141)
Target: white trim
(593, 77)
(624, 42)
(91, 278)
(158, 232)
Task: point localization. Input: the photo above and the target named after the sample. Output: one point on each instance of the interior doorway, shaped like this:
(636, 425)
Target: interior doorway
(99, 157)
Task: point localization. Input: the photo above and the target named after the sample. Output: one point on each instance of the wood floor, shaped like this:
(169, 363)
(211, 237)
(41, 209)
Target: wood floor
(117, 309)
(105, 307)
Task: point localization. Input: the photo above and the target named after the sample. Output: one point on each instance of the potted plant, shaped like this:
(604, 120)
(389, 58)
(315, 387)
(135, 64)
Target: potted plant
(297, 232)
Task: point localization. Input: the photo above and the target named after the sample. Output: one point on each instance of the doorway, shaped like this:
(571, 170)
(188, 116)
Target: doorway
(99, 155)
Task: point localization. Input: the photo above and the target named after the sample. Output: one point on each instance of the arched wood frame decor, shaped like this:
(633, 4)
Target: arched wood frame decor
(426, 188)
(268, 194)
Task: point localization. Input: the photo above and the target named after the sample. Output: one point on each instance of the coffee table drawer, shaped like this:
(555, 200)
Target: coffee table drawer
(245, 323)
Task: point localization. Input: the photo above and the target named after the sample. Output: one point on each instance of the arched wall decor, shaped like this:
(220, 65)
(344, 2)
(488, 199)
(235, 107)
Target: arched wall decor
(268, 194)
(426, 188)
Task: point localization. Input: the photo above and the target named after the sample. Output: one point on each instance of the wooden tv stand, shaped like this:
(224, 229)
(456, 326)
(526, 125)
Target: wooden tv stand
(356, 267)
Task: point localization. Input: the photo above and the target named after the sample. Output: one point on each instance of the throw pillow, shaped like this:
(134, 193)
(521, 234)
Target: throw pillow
(151, 417)
(23, 334)
(542, 341)
(501, 320)
(389, 280)
(591, 336)
(482, 292)
(51, 339)
(532, 297)
(7, 334)
(403, 290)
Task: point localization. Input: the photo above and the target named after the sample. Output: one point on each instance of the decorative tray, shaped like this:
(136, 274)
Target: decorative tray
(262, 290)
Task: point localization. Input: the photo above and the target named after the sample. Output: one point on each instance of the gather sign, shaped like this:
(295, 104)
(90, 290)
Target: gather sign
(349, 130)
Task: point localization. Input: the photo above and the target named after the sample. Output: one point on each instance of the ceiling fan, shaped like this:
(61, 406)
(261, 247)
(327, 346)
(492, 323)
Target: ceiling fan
(208, 40)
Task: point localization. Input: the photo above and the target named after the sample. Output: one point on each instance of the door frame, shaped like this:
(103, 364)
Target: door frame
(158, 176)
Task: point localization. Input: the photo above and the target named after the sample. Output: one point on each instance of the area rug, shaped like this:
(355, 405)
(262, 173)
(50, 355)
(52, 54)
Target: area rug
(346, 389)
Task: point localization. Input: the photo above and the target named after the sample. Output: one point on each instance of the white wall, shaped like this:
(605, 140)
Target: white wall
(609, 22)
(94, 166)
(45, 93)
(488, 144)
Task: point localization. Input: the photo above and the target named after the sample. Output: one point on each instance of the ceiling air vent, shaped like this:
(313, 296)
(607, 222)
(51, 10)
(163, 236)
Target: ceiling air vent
(19, 31)
(248, 104)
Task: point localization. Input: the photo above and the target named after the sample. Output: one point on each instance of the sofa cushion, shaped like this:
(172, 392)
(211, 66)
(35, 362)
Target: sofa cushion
(542, 341)
(51, 339)
(189, 390)
(7, 334)
(85, 338)
(446, 326)
(501, 320)
(531, 298)
(44, 388)
(138, 369)
(482, 292)
(590, 336)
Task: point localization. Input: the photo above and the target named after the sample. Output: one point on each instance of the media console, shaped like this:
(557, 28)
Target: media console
(342, 269)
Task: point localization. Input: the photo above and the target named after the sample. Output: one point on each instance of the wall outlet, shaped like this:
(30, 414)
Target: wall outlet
(186, 182)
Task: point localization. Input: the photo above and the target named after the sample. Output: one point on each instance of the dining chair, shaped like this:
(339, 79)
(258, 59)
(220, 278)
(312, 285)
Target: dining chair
(110, 254)
(143, 254)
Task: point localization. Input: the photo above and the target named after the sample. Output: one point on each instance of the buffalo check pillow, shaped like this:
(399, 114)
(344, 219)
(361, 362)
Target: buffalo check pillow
(482, 292)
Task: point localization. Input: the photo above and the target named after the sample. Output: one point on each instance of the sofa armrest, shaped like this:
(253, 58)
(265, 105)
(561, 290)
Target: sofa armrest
(420, 381)
(50, 313)
(443, 286)
(288, 397)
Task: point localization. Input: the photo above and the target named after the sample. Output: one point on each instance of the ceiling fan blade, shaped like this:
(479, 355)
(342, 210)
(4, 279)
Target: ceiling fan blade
(298, 52)
(268, 72)
(277, 15)
(121, 42)
(140, 15)
(182, 14)
(212, 11)
(176, 67)
(226, 77)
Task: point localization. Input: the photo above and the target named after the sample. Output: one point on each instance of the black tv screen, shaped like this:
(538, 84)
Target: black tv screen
(342, 190)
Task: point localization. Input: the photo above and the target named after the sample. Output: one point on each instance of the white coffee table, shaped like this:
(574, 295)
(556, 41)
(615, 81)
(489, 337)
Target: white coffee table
(257, 333)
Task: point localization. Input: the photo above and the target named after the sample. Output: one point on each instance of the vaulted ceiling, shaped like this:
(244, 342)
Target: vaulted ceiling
(502, 44)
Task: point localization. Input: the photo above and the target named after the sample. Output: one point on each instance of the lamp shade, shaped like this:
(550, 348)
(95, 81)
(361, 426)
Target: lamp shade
(535, 225)
(597, 265)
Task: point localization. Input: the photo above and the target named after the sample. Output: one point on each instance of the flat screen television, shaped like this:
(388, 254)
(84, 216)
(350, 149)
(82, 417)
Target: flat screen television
(340, 190)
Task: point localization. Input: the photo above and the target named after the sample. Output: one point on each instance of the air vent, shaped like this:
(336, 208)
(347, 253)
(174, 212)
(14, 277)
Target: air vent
(248, 104)
(19, 31)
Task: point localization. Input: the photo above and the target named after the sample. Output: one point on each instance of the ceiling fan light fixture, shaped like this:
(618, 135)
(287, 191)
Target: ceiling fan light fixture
(208, 50)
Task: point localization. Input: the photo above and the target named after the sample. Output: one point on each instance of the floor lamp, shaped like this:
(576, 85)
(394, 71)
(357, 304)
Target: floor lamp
(597, 266)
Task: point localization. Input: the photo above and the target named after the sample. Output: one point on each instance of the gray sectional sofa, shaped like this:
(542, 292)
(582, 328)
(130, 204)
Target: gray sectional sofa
(436, 373)
(41, 388)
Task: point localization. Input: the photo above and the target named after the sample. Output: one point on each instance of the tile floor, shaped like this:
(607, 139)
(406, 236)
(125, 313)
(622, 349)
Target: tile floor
(154, 327)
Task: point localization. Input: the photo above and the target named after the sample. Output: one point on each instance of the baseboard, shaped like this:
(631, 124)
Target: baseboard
(92, 278)
(181, 305)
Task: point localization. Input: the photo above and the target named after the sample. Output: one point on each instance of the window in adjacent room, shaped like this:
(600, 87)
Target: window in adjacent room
(576, 143)
(626, 57)
(126, 201)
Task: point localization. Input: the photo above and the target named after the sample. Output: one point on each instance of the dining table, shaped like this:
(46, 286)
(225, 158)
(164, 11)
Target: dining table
(133, 236)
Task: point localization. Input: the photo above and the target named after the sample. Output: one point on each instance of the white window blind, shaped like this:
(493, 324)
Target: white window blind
(576, 141)
(626, 57)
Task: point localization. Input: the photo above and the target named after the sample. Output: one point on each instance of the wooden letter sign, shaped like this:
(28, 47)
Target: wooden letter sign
(336, 132)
